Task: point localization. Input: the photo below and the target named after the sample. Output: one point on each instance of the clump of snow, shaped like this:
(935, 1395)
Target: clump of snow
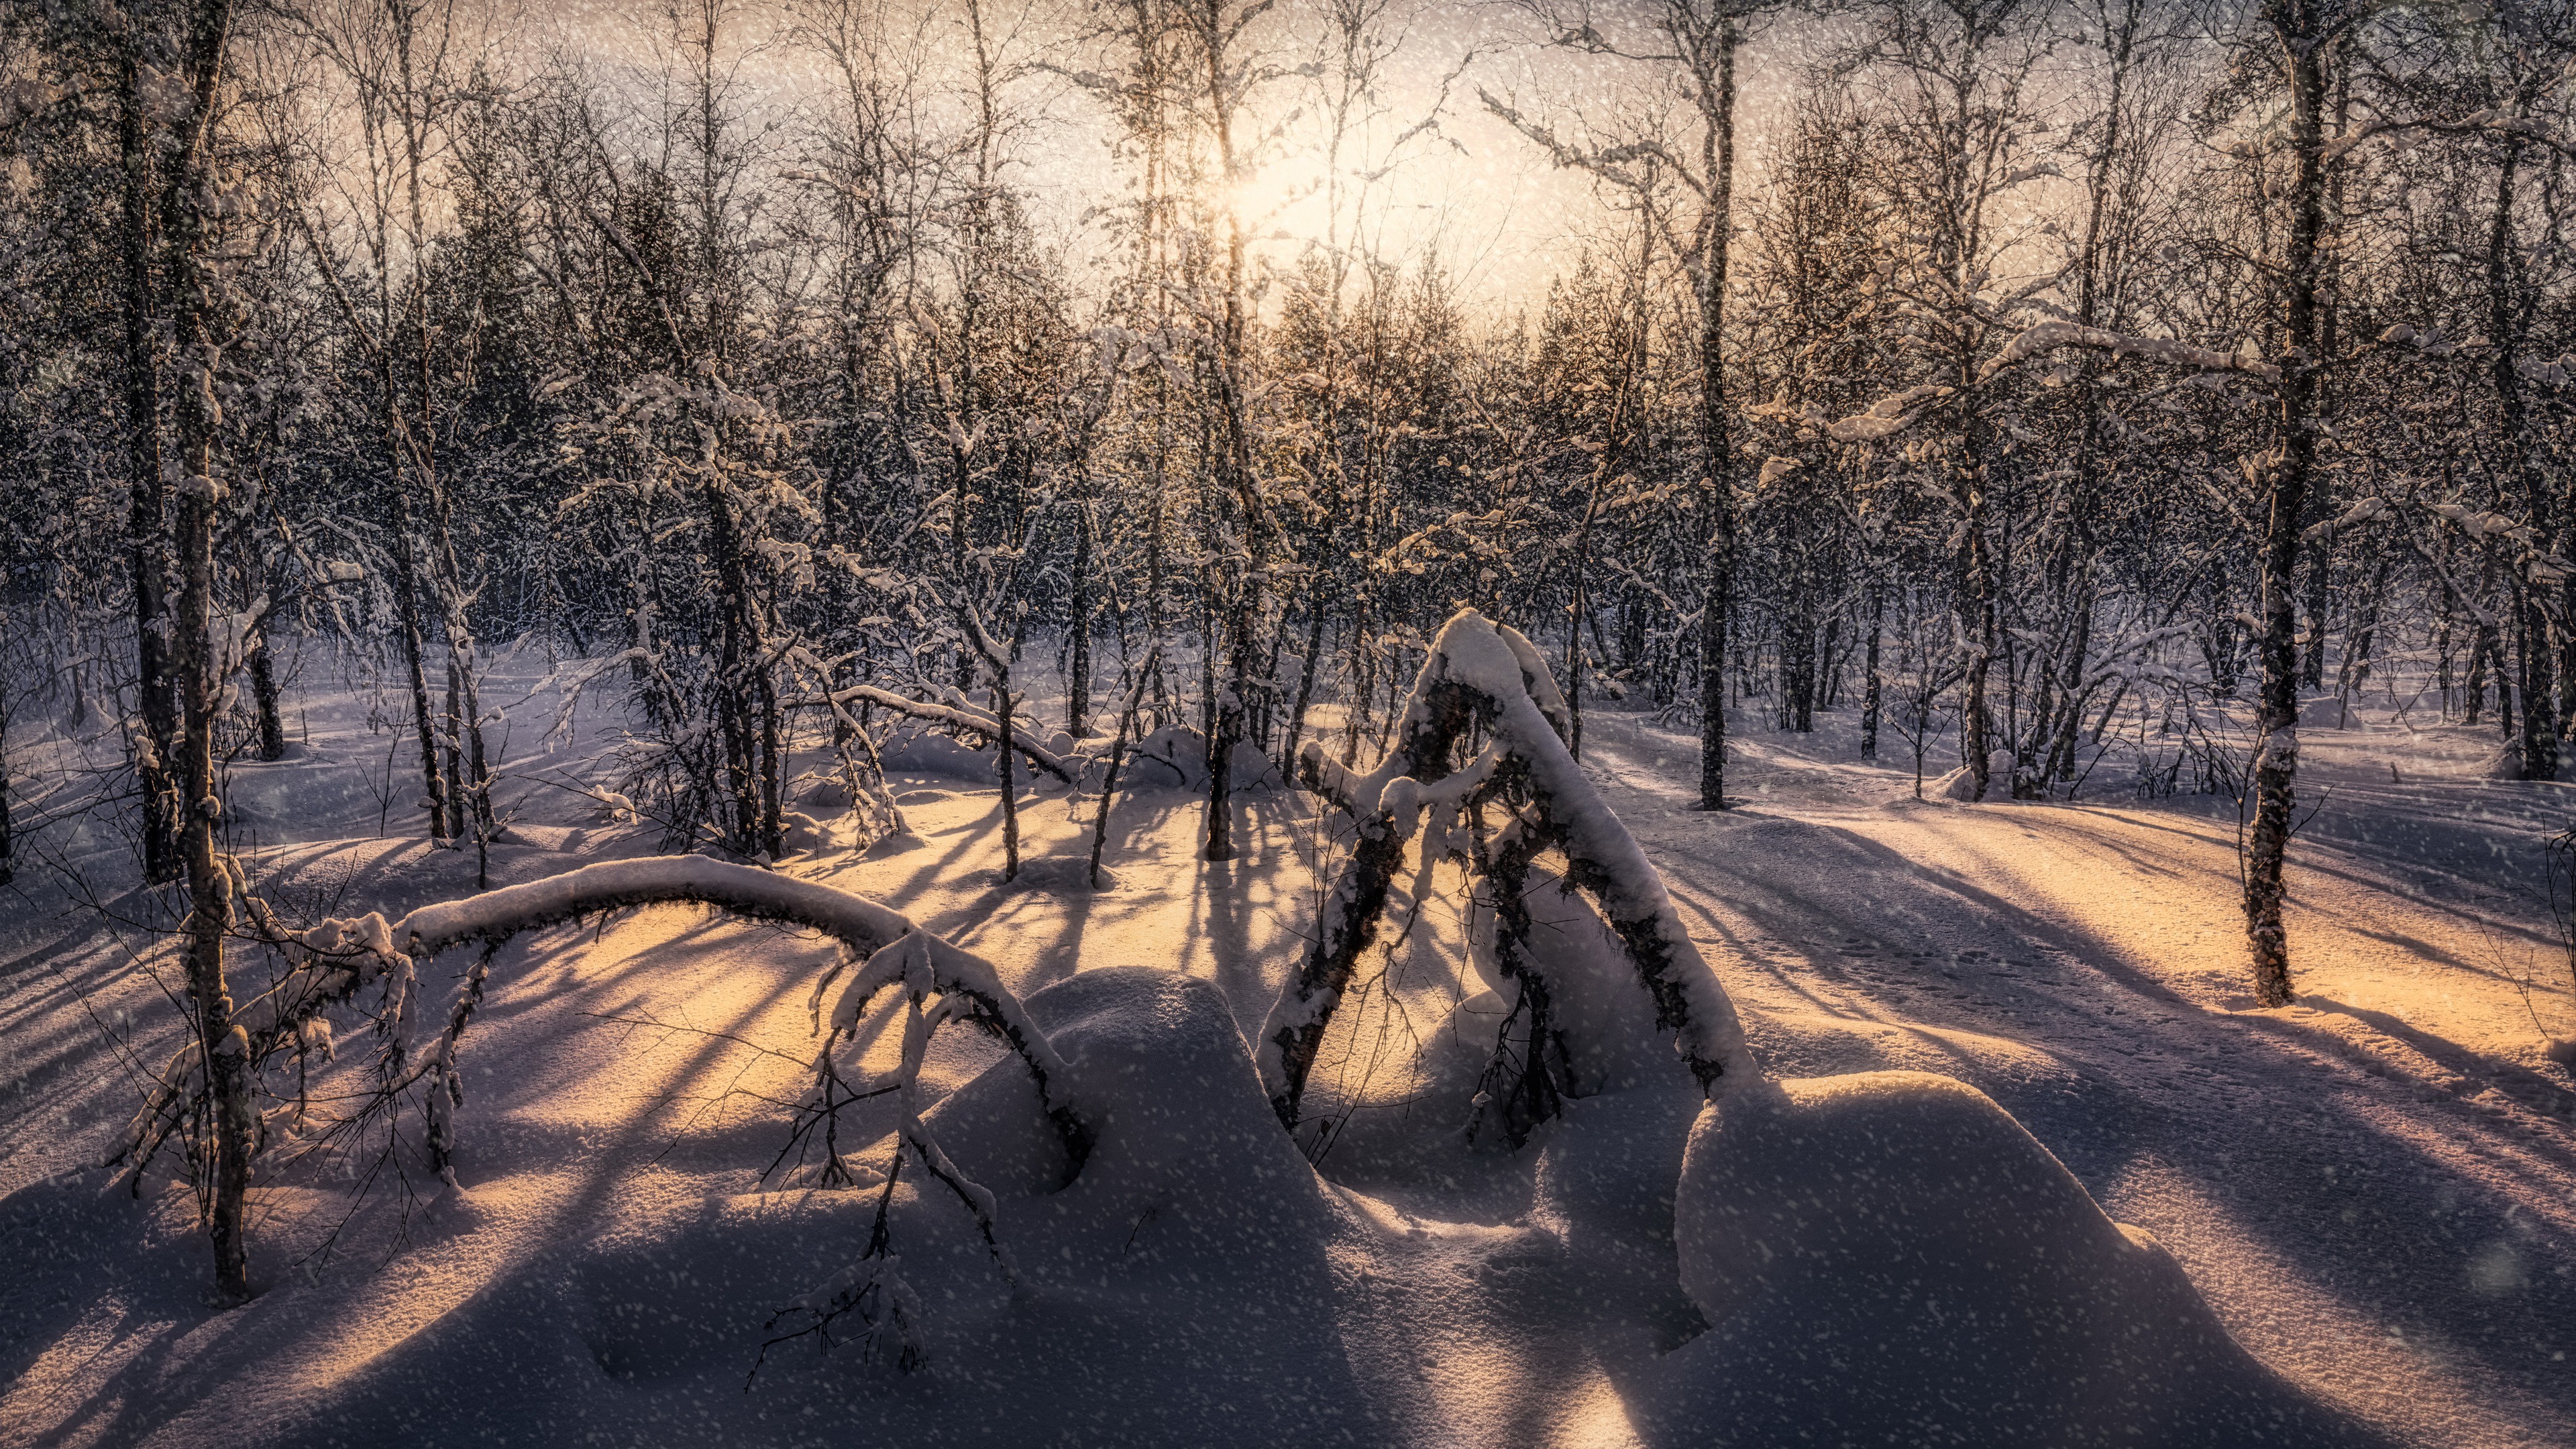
(804, 832)
(1174, 756)
(1889, 1257)
(927, 752)
(1960, 784)
(2504, 762)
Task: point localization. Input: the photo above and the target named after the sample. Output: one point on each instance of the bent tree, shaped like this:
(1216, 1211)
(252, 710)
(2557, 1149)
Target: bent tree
(374, 966)
(1483, 681)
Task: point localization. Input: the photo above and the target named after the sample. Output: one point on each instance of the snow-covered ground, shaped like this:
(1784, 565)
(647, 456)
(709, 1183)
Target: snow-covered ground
(2374, 1190)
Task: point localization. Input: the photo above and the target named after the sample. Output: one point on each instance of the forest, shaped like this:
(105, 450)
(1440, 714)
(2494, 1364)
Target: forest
(1610, 712)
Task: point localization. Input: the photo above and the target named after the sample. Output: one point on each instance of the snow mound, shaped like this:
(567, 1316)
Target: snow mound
(1889, 1257)
(1254, 770)
(1959, 784)
(804, 832)
(2504, 762)
(1173, 757)
(927, 752)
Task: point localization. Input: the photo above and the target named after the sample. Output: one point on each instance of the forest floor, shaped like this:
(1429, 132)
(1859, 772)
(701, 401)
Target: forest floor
(2375, 1188)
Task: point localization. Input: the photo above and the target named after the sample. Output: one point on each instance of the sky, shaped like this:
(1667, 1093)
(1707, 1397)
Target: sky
(1501, 218)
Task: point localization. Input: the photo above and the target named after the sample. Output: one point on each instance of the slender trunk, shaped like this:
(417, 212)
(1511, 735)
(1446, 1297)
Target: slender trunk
(1243, 603)
(146, 522)
(1002, 707)
(2276, 759)
(1870, 688)
(1977, 592)
(2329, 288)
(738, 652)
(1117, 757)
(263, 694)
(1305, 680)
(1077, 684)
(8, 836)
(1364, 667)
(2539, 743)
(2481, 649)
(1717, 449)
(1575, 611)
(409, 635)
(451, 750)
(2312, 643)
(225, 1046)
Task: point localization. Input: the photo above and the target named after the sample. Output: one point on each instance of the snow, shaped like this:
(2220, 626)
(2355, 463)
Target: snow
(1888, 1257)
(1961, 783)
(2047, 336)
(2355, 1213)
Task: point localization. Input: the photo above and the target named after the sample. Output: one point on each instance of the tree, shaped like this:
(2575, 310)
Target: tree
(1696, 42)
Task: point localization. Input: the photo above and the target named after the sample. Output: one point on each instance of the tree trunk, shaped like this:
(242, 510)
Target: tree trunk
(1977, 595)
(1305, 679)
(263, 694)
(1077, 684)
(1717, 447)
(146, 521)
(2539, 743)
(409, 635)
(2276, 758)
(1870, 688)
(223, 1044)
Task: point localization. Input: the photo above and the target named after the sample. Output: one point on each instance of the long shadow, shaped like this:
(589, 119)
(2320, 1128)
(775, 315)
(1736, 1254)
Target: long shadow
(172, 1308)
(2398, 1241)
(2273, 1136)
(2408, 884)
(2512, 1078)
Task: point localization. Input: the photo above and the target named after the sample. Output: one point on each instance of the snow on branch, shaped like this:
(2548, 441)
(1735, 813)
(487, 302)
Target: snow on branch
(1889, 415)
(962, 717)
(2362, 511)
(329, 963)
(2047, 336)
(864, 926)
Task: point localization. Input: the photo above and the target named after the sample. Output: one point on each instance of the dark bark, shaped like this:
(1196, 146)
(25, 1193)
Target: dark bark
(1117, 757)
(1717, 447)
(263, 694)
(146, 522)
(1870, 698)
(2302, 31)
(1077, 684)
(2514, 446)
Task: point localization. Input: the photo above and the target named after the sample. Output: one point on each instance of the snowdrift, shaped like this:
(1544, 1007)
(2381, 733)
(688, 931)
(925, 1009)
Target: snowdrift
(1890, 1258)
